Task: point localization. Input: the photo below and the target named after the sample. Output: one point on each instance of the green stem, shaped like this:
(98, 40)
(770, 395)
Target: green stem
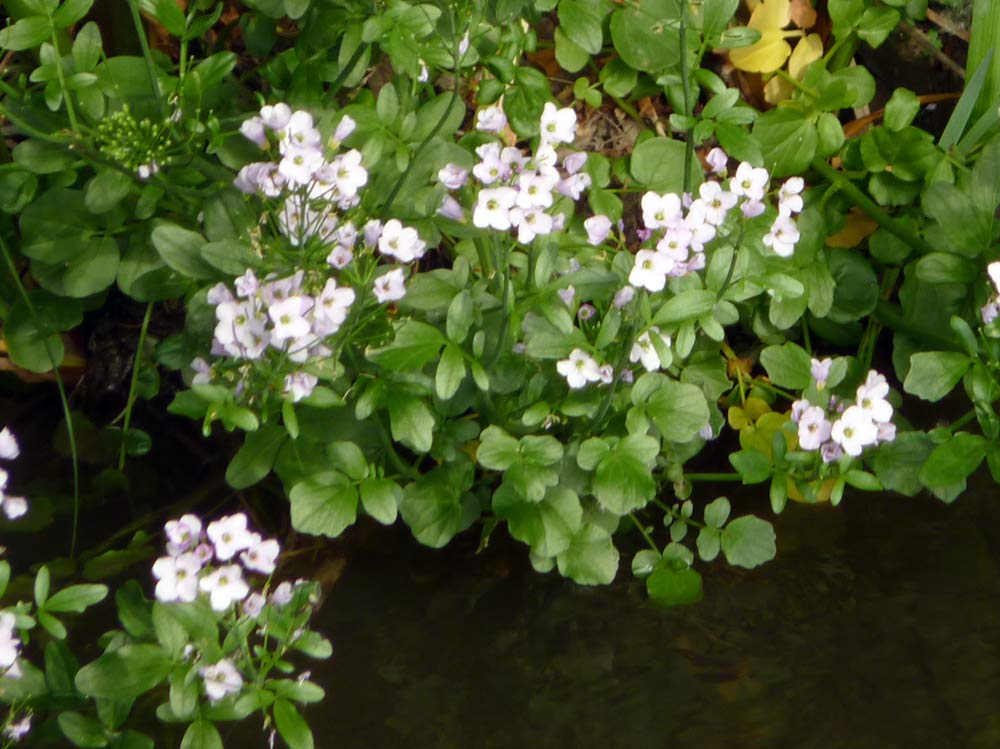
(799, 84)
(342, 75)
(147, 55)
(962, 420)
(63, 398)
(644, 532)
(134, 385)
(686, 85)
(70, 109)
(892, 225)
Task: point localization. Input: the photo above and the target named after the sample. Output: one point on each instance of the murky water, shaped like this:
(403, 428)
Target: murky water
(877, 626)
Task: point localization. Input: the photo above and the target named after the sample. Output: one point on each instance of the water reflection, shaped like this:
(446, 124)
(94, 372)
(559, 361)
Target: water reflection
(876, 627)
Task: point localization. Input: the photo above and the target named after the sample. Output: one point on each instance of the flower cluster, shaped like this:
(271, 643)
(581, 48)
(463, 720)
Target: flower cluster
(188, 569)
(517, 190)
(677, 228)
(10, 646)
(13, 507)
(834, 427)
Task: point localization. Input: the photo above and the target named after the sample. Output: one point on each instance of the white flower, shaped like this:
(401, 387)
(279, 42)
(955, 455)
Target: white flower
(9, 449)
(276, 116)
(453, 176)
(340, 257)
(717, 202)
(854, 430)
(534, 191)
(789, 197)
(782, 237)
(575, 162)
(300, 164)
(660, 211)
(493, 208)
(491, 168)
(624, 296)
(574, 185)
(530, 222)
(749, 182)
(19, 729)
(261, 556)
(491, 120)
(289, 318)
(400, 242)
(182, 533)
(990, 312)
(463, 45)
(993, 269)
(331, 307)
(348, 174)
(650, 270)
(717, 161)
(390, 287)
(224, 586)
(10, 641)
(221, 679)
(229, 534)
(424, 75)
(247, 284)
(598, 229)
(820, 371)
(299, 133)
(675, 243)
(178, 578)
(644, 351)
(558, 125)
(871, 398)
(814, 428)
(300, 385)
(145, 171)
(579, 369)
(14, 507)
(752, 208)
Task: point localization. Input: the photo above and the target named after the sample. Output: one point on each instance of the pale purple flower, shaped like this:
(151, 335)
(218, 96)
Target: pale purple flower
(752, 208)
(289, 318)
(299, 133)
(798, 408)
(390, 287)
(990, 312)
(229, 534)
(451, 208)
(18, 729)
(9, 449)
(282, 595)
(783, 236)
(453, 176)
(253, 604)
(463, 45)
(300, 385)
(261, 556)
(586, 312)
(531, 222)
(340, 257)
(718, 161)
(344, 129)
(557, 125)
(872, 398)
(814, 428)
(14, 507)
(401, 242)
(371, 231)
(575, 162)
(819, 369)
(606, 374)
(567, 294)
(276, 116)
(749, 182)
(624, 295)
(830, 452)
(598, 229)
(574, 185)
(490, 120)
(717, 202)
(10, 642)
(253, 130)
(178, 578)
(579, 369)
(182, 534)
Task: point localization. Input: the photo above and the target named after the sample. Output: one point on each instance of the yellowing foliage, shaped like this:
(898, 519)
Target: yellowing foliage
(771, 50)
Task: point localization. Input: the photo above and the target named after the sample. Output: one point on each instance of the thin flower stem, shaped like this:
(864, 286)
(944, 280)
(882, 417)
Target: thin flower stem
(686, 84)
(869, 206)
(70, 109)
(644, 532)
(713, 477)
(795, 82)
(133, 386)
(147, 55)
(63, 398)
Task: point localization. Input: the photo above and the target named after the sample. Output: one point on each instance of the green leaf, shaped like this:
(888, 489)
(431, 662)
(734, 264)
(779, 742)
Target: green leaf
(134, 610)
(381, 499)
(414, 345)
(202, 734)
(412, 422)
(70, 12)
(787, 139)
(183, 696)
(292, 726)
(180, 248)
(432, 507)
(624, 479)
(679, 410)
(753, 466)
(933, 374)
(669, 587)
(658, 164)
(788, 365)
(254, 460)
(324, 504)
(60, 668)
(591, 558)
(297, 691)
(25, 34)
(91, 270)
(897, 464)
(953, 461)
(83, 731)
(709, 543)
(124, 674)
(687, 305)
(901, 108)
(349, 459)
(547, 526)
(646, 34)
(717, 512)
(450, 372)
(748, 542)
(876, 24)
(43, 581)
(76, 598)
(581, 22)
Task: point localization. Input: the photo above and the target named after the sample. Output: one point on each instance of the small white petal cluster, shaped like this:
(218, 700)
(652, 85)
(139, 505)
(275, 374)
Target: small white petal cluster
(644, 351)
(221, 679)
(678, 228)
(10, 646)
(517, 190)
(13, 506)
(834, 429)
(580, 369)
(276, 314)
(18, 729)
(991, 310)
(188, 570)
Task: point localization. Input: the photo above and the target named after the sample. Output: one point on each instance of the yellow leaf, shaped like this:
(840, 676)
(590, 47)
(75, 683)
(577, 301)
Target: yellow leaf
(807, 51)
(771, 50)
(859, 226)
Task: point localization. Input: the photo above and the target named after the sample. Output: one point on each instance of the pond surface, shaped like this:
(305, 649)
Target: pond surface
(878, 626)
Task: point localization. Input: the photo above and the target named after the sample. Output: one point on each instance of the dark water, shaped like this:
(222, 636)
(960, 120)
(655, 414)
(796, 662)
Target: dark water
(877, 626)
